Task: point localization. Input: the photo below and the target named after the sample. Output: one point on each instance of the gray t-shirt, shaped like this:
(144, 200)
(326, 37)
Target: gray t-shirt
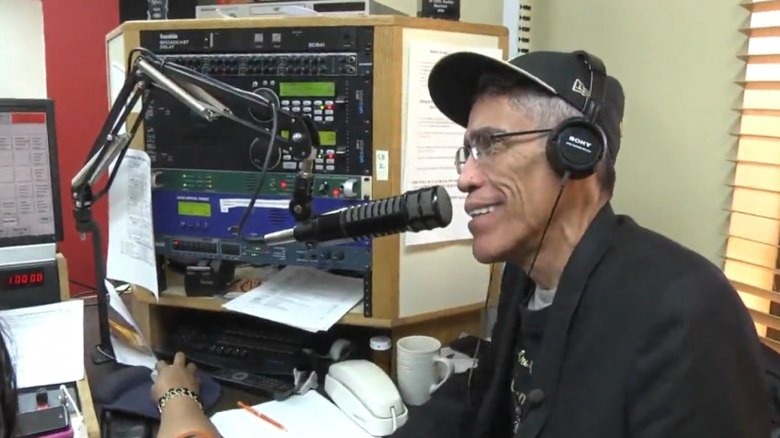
(533, 317)
(541, 298)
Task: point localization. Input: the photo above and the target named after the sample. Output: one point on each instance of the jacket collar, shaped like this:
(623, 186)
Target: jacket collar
(583, 261)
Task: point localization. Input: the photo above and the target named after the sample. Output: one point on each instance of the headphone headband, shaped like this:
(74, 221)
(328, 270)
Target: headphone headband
(591, 107)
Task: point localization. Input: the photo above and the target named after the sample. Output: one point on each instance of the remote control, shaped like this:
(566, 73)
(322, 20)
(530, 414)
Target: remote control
(273, 388)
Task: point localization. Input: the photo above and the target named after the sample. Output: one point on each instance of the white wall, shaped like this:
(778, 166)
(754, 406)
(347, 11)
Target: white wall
(472, 11)
(677, 62)
(22, 57)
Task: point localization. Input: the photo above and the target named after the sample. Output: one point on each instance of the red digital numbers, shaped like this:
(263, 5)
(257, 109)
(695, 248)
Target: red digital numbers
(25, 279)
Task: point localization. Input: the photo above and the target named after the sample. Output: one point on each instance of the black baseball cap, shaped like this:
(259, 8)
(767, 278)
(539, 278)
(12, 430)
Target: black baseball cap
(453, 82)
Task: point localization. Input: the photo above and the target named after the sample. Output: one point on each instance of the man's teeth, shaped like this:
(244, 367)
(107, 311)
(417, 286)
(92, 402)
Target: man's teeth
(480, 211)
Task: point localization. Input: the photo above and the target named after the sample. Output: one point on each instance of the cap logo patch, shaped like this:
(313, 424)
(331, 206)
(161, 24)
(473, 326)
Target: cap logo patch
(580, 88)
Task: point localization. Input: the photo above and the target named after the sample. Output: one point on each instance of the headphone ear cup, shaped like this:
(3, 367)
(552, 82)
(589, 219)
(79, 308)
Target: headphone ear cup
(575, 146)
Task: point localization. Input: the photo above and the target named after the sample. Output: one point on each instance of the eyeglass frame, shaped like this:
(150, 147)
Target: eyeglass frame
(469, 150)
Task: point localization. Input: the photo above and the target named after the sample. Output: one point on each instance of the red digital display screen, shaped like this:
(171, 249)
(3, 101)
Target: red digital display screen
(23, 278)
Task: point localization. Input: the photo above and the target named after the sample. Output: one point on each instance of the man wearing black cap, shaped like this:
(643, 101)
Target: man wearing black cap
(604, 329)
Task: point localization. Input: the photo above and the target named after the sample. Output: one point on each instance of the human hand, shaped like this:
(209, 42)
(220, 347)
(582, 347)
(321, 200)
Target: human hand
(179, 374)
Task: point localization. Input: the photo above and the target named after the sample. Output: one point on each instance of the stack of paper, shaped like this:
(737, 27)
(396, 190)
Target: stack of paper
(304, 416)
(128, 342)
(302, 297)
(46, 343)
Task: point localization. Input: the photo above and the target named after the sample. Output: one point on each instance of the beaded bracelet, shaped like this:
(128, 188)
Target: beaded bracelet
(175, 392)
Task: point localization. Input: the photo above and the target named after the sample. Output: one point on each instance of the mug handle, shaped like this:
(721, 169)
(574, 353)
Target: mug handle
(449, 365)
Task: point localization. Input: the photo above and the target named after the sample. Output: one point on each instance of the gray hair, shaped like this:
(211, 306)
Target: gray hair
(544, 109)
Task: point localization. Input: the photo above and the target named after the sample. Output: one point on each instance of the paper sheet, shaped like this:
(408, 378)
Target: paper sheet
(302, 297)
(304, 416)
(430, 141)
(130, 346)
(225, 204)
(130, 232)
(46, 342)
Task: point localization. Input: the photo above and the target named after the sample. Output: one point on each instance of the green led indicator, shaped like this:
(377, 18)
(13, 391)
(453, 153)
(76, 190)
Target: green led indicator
(328, 138)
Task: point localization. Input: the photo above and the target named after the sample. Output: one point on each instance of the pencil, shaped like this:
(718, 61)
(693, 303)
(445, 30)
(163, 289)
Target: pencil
(262, 416)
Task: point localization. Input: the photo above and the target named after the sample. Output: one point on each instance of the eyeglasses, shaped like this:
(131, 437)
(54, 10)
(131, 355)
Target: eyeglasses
(485, 144)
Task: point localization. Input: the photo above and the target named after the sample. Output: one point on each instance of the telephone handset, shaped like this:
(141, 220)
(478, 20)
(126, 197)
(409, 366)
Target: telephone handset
(366, 394)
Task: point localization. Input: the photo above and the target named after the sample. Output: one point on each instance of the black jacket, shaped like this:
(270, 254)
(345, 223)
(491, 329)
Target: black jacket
(645, 339)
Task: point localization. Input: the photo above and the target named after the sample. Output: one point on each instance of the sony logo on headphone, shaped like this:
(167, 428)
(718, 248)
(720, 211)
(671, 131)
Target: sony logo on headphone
(580, 141)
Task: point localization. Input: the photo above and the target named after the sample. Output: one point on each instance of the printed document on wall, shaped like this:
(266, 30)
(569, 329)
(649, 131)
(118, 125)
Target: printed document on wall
(431, 139)
(130, 232)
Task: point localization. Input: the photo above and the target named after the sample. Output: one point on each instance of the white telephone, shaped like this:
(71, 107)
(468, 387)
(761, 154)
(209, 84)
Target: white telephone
(366, 394)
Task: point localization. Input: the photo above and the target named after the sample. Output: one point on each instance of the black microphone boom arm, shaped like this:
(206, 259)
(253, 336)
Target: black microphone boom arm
(197, 91)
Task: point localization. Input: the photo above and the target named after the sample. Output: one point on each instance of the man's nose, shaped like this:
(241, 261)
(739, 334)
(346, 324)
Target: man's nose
(470, 177)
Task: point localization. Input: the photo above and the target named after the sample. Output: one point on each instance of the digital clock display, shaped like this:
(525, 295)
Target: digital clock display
(23, 278)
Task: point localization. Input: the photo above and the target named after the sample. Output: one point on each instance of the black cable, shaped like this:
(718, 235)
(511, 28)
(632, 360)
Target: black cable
(199, 79)
(122, 153)
(564, 181)
(98, 147)
(84, 285)
(143, 50)
(260, 183)
(479, 338)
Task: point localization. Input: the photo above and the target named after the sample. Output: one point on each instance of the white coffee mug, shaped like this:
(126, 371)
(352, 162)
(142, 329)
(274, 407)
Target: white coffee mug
(416, 359)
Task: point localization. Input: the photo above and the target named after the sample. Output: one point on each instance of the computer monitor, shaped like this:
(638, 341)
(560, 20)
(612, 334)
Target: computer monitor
(30, 207)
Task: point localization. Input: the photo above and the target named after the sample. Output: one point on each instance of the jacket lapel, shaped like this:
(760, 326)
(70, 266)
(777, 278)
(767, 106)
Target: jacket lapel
(514, 286)
(583, 261)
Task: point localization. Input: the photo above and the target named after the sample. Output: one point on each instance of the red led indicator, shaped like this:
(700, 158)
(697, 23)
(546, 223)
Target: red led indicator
(283, 184)
(336, 192)
(328, 107)
(330, 155)
(36, 118)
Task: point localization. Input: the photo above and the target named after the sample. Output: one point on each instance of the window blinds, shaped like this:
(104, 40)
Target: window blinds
(753, 242)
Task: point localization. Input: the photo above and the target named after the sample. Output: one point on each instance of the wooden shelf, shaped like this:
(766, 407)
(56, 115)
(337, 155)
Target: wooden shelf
(174, 299)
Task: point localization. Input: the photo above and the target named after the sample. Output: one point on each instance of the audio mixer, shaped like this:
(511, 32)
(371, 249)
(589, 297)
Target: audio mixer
(204, 173)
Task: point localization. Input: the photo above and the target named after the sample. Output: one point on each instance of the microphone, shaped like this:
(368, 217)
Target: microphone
(416, 210)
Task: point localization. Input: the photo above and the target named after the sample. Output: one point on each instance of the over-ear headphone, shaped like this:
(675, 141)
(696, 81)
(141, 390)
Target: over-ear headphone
(577, 144)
